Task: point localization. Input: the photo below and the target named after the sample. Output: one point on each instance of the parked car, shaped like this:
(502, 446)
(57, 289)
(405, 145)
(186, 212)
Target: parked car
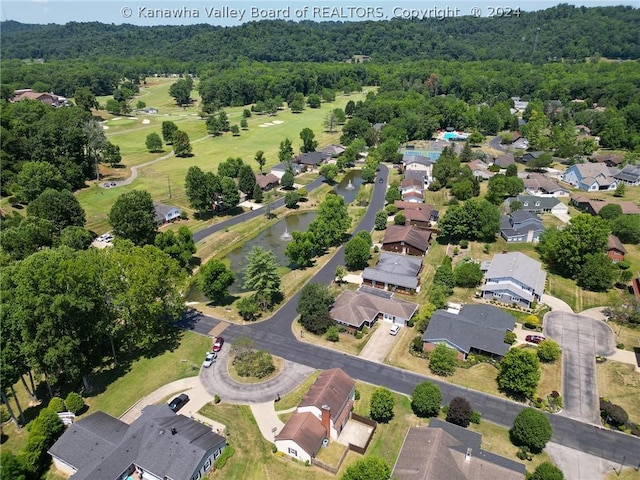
(217, 344)
(535, 338)
(105, 237)
(210, 359)
(178, 402)
(380, 180)
(394, 329)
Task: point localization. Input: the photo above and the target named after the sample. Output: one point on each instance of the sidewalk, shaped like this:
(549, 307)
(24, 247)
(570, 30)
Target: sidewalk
(267, 420)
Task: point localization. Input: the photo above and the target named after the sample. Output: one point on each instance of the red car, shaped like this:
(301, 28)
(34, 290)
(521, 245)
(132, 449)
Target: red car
(534, 338)
(217, 344)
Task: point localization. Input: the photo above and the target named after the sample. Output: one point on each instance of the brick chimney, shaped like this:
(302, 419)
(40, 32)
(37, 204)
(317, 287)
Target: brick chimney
(326, 419)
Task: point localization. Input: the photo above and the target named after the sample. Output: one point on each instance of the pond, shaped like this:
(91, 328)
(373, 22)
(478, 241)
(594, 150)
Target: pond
(272, 239)
(349, 186)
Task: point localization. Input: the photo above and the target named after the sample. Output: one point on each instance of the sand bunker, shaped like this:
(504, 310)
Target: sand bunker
(105, 127)
(117, 118)
(146, 121)
(278, 122)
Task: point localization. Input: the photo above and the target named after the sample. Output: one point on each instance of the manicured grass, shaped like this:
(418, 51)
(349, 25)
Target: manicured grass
(621, 385)
(125, 385)
(626, 474)
(578, 298)
(496, 439)
(388, 437)
(347, 343)
(627, 334)
(253, 459)
(208, 152)
(480, 377)
(550, 379)
(278, 363)
(293, 398)
(332, 454)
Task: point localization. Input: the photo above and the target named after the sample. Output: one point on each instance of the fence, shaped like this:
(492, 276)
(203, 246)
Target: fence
(329, 468)
(366, 421)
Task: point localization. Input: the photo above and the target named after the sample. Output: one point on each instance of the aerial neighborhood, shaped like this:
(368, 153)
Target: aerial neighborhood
(287, 249)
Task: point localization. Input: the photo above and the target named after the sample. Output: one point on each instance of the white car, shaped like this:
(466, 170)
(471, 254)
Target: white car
(394, 329)
(210, 359)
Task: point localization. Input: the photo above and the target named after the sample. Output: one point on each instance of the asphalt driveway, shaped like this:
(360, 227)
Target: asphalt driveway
(581, 339)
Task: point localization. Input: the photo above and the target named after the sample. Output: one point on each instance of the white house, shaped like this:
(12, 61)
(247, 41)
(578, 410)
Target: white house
(165, 213)
(513, 278)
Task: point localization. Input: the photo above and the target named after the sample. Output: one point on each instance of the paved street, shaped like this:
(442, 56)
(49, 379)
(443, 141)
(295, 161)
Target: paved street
(581, 339)
(275, 336)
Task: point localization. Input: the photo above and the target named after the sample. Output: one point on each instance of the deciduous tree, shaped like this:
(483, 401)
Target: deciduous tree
(382, 404)
(153, 142)
(426, 399)
(443, 360)
(467, 274)
(547, 471)
(532, 429)
(313, 308)
(357, 253)
(60, 207)
(132, 216)
(367, 468)
(215, 280)
(460, 412)
(309, 142)
(519, 373)
(178, 246)
(260, 159)
(169, 130)
(181, 144)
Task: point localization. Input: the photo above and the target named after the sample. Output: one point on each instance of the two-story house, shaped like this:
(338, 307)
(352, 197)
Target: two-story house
(521, 226)
(537, 204)
(513, 278)
(591, 177)
(418, 167)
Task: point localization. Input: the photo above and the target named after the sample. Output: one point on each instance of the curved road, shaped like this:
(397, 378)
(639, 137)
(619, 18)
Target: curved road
(275, 335)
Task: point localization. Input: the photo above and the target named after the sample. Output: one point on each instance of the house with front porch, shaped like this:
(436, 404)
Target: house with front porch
(406, 239)
(590, 177)
(394, 272)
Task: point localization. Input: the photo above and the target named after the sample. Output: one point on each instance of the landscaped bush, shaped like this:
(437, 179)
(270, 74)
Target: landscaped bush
(358, 335)
(624, 265)
(356, 394)
(548, 351)
(531, 428)
(56, 404)
(333, 335)
(216, 399)
(464, 243)
(226, 454)
(443, 360)
(620, 346)
(613, 414)
(4, 414)
(510, 337)
(258, 364)
(476, 417)
(460, 412)
(74, 402)
(426, 399)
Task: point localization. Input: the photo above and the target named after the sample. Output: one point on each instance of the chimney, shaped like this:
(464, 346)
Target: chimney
(467, 457)
(326, 419)
(173, 430)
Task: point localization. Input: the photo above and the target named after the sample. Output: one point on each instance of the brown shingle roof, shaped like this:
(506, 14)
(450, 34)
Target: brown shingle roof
(333, 388)
(413, 205)
(265, 180)
(417, 215)
(305, 430)
(409, 235)
(411, 182)
(355, 308)
(614, 243)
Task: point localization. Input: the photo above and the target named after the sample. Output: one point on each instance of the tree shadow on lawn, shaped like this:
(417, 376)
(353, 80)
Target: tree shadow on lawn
(224, 302)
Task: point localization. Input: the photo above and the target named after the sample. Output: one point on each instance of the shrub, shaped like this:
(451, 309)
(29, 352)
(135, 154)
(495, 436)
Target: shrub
(531, 428)
(357, 335)
(426, 399)
(333, 335)
(391, 209)
(258, 364)
(613, 414)
(476, 417)
(548, 351)
(460, 412)
(4, 414)
(417, 345)
(443, 360)
(56, 404)
(547, 471)
(620, 346)
(216, 399)
(486, 248)
(624, 265)
(274, 449)
(464, 243)
(356, 394)
(524, 453)
(381, 406)
(510, 337)
(226, 454)
(74, 402)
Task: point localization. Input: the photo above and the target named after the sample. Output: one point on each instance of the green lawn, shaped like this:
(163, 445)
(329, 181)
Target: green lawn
(208, 152)
(124, 386)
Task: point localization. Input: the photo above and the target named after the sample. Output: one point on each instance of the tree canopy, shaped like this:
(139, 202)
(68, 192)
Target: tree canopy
(313, 307)
(426, 399)
(132, 216)
(519, 373)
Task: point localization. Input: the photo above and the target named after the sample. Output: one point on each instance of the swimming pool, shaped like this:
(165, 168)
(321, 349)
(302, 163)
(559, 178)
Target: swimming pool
(450, 136)
(423, 153)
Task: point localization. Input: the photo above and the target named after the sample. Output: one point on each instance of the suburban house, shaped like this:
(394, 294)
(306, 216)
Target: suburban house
(367, 305)
(537, 204)
(609, 160)
(280, 169)
(538, 184)
(521, 226)
(513, 278)
(476, 329)
(615, 249)
(594, 205)
(406, 239)
(420, 215)
(267, 181)
(311, 159)
(413, 197)
(42, 97)
(519, 105)
(590, 177)
(446, 451)
(333, 150)
(504, 160)
(629, 175)
(418, 167)
(321, 415)
(411, 185)
(480, 169)
(527, 157)
(165, 213)
(394, 272)
(158, 445)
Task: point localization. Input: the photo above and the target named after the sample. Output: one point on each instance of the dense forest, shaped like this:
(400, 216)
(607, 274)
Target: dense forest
(563, 31)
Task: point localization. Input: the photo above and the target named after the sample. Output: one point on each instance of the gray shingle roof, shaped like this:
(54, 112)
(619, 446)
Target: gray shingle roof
(148, 443)
(476, 326)
(354, 308)
(545, 203)
(518, 266)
